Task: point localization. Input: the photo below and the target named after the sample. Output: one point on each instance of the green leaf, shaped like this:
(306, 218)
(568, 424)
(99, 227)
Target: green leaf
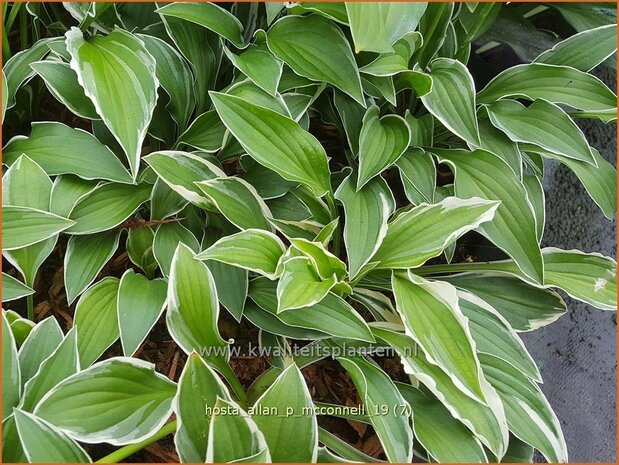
(133, 401)
(375, 27)
(13, 289)
(276, 142)
(317, 49)
(518, 451)
(118, 75)
(61, 364)
(259, 65)
(494, 336)
(325, 263)
(300, 285)
(62, 83)
(139, 247)
(5, 95)
(167, 237)
(12, 451)
(496, 141)
(193, 308)
(433, 27)
(556, 84)
(107, 206)
(528, 413)
(232, 284)
(591, 278)
(444, 437)
(332, 315)
(486, 421)
(140, 304)
(554, 132)
(524, 307)
(82, 154)
(22, 227)
(175, 77)
(288, 394)
(233, 436)
(84, 258)
(424, 231)
(452, 98)
(366, 212)
(418, 175)
(96, 320)
(599, 180)
(199, 387)
(66, 191)
(40, 344)
(433, 318)
(583, 51)
(11, 380)
(381, 142)
(205, 133)
(377, 391)
(42, 442)
(273, 324)
(210, 16)
(253, 249)
(181, 170)
(535, 194)
(17, 70)
(238, 201)
(513, 229)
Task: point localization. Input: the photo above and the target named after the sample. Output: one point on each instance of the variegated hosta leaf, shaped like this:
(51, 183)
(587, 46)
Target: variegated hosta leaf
(41, 342)
(22, 226)
(253, 249)
(314, 47)
(84, 258)
(259, 65)
(418, 174)
(523, 306)
(135, 402)
(293, 438)
(140, 304)
(452, 98)
(13, 289)
(381, 142)
(432, 316)
(376, 26)
(486, 421)
(96, 319)
(118, 75)
(377, 391)
(557, 84)
(238, 201)
(205, 133)
(233, 436)
(11, 380)
(367, 211)
(513, 228)
(583, 51)
(424, 231)
(181, 171)
(166, 240)
(444, 437)
(275, 141)
(332, 315)
(542, 124)
(493, 335)
(325, 263)
(199, 387)
(528, 413)
(300, 285)
(42, 442)
(82, 154)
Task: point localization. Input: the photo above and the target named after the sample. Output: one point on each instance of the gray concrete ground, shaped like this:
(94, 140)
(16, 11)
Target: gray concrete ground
(577, 355)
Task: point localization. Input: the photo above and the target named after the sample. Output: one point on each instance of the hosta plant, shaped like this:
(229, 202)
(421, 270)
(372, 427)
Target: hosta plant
(320, 181)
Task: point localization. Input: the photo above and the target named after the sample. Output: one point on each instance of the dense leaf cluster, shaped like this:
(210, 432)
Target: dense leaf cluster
(318, 170)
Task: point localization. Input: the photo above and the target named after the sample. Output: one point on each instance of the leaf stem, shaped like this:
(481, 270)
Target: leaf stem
(23, 29)
(334, 214)
(30, 306)
(131, 449)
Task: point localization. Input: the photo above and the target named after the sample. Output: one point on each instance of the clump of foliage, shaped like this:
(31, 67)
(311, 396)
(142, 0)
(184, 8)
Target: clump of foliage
(311, 170)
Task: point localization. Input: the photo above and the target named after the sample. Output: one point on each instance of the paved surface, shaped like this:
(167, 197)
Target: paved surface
(577, 354)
